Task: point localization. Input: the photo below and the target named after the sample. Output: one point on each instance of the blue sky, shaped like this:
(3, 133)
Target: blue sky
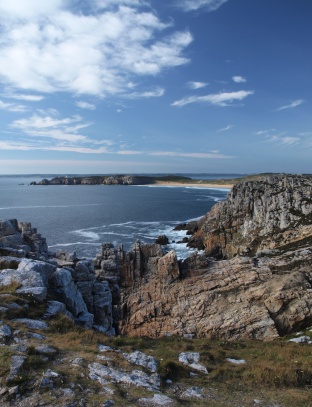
(134, 86)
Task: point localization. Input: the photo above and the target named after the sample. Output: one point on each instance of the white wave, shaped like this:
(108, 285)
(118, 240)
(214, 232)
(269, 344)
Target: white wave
(86, 234)
(73, 244)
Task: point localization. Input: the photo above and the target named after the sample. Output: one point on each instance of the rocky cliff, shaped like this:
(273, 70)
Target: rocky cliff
(252, 281)
(258, 216)
(259, 290)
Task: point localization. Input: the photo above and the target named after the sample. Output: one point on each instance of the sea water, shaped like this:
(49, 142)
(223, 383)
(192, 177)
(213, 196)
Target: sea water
(81, 217)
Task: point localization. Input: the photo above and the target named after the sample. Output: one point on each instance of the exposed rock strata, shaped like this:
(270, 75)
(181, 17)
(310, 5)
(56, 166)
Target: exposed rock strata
(260, 289)
(257, 216)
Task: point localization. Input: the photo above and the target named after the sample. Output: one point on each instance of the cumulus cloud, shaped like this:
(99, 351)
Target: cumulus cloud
(219, 99)
(293, 104)
(197, 85)
(208, 5)
(239, 79)
(86, 49)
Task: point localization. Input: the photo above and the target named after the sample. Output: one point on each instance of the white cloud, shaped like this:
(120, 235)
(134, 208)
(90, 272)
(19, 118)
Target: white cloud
(290, 140)
(26, 97)
(147, 94)
(197, 85)
(85, 105)
(12, 107)
(239, 79)
(229, 127)
(219, 99)
(191, 155)
(293, 104)
(84, 50)
(209, 5)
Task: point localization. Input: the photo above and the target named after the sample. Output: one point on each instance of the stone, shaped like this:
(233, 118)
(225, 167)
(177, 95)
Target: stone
(141, 359)
(31, 323)
(16, 364)
(192, 393)
(134, 378)
(236, 361)
(5, 331)
(39, 294)
(156, 400)
(191, 359)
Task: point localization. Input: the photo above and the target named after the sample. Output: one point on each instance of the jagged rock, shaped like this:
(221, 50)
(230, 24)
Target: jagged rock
(56, 307)
(63, 288)
(257, 216)
(162, 240)
(141, 359)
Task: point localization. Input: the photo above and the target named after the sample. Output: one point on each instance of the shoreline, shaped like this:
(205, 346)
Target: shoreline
(195, 185)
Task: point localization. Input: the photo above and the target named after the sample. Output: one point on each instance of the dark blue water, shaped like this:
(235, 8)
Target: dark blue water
(80, 217)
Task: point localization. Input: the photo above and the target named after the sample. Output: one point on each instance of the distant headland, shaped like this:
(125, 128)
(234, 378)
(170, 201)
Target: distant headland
(167, 180)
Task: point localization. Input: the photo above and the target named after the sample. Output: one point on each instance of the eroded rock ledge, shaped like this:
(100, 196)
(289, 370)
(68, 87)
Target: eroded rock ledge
(260, 289)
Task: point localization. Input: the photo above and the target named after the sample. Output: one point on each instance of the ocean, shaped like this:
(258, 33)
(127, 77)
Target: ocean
(81, 217)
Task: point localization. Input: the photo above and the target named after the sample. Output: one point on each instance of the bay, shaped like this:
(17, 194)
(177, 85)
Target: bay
(81, 217)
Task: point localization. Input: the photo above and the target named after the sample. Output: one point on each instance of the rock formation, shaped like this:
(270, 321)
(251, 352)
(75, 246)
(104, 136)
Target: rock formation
(264, 288)
(252, 281)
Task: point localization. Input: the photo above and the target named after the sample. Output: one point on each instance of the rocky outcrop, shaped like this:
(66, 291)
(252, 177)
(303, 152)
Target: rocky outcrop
(58, 278)
(262, 291)
(97, 180)
(258, 216)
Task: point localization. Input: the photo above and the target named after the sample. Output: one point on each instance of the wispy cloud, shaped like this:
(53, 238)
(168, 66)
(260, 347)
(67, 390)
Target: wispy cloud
(87, 50)
(85, 105)
(158, 92)
(281, 138)
(239, 79)
(219, 99)
(208, 5)
(291, 105)
(23, 96)
(196, 85)
(215, 155)
(229, 127)
(12, 107)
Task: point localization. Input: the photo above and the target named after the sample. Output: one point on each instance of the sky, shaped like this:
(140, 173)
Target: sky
(151, 86)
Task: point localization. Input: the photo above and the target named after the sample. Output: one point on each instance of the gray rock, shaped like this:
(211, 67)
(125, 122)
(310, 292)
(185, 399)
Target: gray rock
(141, 359)
(45, 349)
(31, 323)
(157, 400)
(191, 359)
(136, 377)
(54, 308)
(16, 364)
(5, 331)
(39, 294)
(193, 393)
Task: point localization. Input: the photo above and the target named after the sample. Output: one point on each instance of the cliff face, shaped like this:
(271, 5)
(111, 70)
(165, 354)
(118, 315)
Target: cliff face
(258, 216)
(264, 288)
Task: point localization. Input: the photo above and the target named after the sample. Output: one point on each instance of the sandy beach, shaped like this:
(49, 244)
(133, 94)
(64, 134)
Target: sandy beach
(195, 185)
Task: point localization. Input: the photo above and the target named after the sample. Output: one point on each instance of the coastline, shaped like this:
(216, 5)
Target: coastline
(195, 185)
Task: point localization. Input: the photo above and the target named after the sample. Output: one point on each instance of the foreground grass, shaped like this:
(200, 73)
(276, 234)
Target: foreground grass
(276, 373)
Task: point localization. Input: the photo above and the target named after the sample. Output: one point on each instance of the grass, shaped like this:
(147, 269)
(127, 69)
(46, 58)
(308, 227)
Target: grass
(277, 373)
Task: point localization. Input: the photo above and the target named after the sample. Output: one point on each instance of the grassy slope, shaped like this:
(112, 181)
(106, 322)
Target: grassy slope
(277, 373)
